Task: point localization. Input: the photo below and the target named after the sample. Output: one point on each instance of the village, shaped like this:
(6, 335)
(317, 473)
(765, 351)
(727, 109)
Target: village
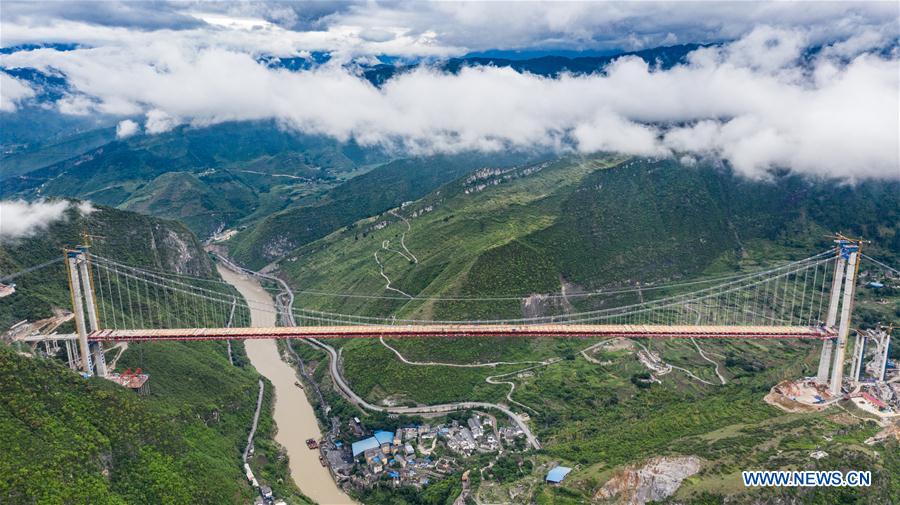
(414, 455)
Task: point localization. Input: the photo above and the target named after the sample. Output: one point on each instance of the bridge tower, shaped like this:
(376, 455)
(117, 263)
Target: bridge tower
(840, 267)
(843, 289)
(82, 291)
(859, 351)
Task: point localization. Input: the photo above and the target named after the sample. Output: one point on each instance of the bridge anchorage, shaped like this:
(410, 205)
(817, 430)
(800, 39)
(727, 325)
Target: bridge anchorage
(116, 302)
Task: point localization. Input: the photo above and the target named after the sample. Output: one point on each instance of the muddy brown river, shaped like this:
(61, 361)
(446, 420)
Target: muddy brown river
(294, 416)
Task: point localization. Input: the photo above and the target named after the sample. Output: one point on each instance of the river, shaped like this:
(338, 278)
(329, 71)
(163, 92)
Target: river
(294, 416)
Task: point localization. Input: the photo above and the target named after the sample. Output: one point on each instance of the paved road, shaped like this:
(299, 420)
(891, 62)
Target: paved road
(492, 364)
(512, 385)
(293, 414)
(338, 377)
(429, 409)
(259, 399)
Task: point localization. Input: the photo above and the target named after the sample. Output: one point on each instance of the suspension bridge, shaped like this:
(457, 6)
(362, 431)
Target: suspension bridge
(807, 299)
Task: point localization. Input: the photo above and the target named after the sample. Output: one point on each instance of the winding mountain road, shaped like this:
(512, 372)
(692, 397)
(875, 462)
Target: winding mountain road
(388, 279)
(341, 383)
(457, 365)
(403, 236)
(715, 363)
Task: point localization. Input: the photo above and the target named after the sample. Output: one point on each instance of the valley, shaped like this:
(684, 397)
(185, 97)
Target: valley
(181, 440)
(208, 178)
(411, 372)
(292, 412)
(449, 253)
(487, 245)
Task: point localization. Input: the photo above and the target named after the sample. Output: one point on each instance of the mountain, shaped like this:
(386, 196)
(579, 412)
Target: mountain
(135, 238)
(250, 167)
(23, 158)
(67, 439)
(203, 204)
(384, 187)
(585, 223)
(547, 65)
(569, 225)
(579, 223)
(242, 171)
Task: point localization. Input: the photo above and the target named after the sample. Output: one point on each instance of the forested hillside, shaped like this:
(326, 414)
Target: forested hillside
(377, 191)
(247, 167)
(126, 236)
(66, 439)
(586, 223)
(579, 224)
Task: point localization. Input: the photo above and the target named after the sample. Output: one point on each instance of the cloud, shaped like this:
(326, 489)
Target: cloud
(85, 208)
(126, 129)
(610, 132)
(160, 121)
(138, 15)
(12, 92)
(21, 219)
(573, 25)
(755, 102)
(415, 28)
(816, 90)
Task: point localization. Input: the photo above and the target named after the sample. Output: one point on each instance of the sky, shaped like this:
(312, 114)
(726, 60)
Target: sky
(808, 86)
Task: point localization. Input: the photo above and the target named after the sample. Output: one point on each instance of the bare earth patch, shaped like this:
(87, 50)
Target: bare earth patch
(778, 397)
(655, 480)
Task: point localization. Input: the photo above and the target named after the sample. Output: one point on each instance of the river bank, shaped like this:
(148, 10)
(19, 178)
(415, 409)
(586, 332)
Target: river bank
(294, 416)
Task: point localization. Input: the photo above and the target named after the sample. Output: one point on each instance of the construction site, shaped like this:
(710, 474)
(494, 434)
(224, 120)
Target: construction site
(873, 384)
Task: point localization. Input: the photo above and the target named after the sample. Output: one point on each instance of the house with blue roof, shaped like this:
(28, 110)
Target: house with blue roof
(380, 439)
(556, 475)
(361, 446)
(384, 437)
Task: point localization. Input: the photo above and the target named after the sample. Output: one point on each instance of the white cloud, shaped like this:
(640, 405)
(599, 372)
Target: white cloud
(415, 28)
(610, 132)
(126, 128)
(480, 25)
(19, 219)
(159, 121)
(755, 101)
(234, 22)
(12, 91)
(86, 207)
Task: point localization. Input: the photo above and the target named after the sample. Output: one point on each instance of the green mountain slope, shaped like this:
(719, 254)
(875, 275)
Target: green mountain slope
(535, 229)
(66, 439)
(202, 203)
(577, 224)
(129, 237)
(383, 188)
(255, 164)
(22, 159)
(585, 223)
(651, 221)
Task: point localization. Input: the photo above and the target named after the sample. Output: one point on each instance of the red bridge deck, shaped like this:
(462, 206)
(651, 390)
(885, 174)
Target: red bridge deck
(464, 330)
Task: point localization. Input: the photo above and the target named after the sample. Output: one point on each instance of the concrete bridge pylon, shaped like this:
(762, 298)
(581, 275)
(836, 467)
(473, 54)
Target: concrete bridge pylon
(83, 302)
(843, 291)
